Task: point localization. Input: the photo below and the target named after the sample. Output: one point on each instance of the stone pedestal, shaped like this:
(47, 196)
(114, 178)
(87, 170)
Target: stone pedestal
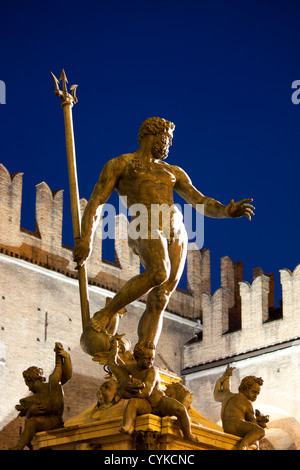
(101, 431)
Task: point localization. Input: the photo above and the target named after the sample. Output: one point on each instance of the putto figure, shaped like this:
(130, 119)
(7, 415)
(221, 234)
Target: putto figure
(238, 416)
(140, 384)
(143, 178)
(44, 409)
(107, 394)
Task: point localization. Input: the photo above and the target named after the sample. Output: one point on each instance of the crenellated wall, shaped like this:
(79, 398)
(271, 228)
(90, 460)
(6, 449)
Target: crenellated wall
(44, 246)
(262, 325)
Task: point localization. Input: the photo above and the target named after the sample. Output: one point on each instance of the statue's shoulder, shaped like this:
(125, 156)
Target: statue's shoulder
(121, 160)
(155, 373)
(116, 165)
(178, 172)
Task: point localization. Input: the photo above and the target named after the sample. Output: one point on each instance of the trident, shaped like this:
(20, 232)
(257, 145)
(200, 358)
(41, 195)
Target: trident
(68, 100)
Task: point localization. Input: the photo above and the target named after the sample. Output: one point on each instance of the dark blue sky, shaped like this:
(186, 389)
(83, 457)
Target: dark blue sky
(221, 71)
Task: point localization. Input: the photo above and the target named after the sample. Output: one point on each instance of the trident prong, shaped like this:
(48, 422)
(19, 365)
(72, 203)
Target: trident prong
(63, 94)
(73, 90)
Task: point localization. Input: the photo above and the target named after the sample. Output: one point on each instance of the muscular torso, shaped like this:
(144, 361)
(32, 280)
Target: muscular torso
(151, 184)
(145, 182)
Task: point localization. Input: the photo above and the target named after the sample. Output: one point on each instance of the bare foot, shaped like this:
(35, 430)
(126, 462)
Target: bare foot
(193, 439)
(126, 429)
(99, 321)
(241, 445)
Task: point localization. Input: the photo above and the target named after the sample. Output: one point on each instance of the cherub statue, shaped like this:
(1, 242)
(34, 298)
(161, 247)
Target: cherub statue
(180, 392)
(107, 394)
(44, 409)
(140, 384)
(238, 416)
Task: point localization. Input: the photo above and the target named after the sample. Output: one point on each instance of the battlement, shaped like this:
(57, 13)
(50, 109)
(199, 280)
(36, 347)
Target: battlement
(262, 325)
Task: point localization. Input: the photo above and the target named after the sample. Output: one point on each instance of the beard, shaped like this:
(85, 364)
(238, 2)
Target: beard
(160, 150)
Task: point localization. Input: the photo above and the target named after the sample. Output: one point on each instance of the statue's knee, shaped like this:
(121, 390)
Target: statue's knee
(161, 297)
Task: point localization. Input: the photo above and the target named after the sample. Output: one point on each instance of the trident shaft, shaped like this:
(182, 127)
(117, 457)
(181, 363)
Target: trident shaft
(68, 100)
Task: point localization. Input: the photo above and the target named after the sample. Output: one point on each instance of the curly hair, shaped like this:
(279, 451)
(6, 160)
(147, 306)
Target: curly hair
(154, 126)
(249, 381)
(34, 373)
(141, 346)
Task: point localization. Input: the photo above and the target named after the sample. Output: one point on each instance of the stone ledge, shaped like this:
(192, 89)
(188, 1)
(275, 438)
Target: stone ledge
(104, 434)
